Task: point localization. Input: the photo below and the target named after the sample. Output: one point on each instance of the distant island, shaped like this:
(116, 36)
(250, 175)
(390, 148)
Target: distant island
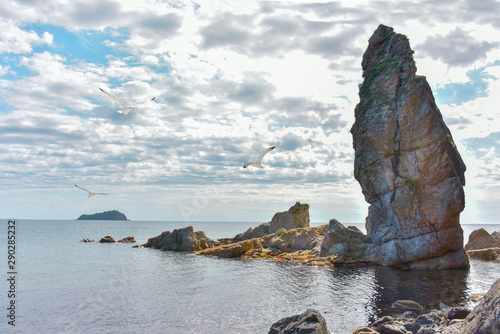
(107, 215)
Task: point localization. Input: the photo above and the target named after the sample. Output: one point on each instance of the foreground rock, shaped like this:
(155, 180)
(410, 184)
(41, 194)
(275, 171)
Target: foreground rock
(484, 319)
(183, 239)
(309, 322)
(406, 162)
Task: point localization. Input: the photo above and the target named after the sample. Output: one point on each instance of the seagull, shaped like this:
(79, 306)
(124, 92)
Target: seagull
(126, 108)
(257, 162)
(91, 193)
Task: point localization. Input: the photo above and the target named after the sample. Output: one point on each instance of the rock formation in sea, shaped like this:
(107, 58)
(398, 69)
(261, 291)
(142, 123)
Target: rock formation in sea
(295, 217)
(128, 240)
(107, 239)
(106, 215)
(183, 239)
(406, 162)
(483, 245)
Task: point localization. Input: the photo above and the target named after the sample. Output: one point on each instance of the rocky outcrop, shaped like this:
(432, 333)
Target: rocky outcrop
(107, 239)
(481, 239)
(309, 322)
(485, 318)
(348, 244)
(483, 246)
(183, 239)
(296, 217)
(87, 240)
(128, 240)
(406, 162)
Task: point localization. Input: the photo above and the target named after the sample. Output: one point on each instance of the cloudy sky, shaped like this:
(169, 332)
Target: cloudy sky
(231, 77)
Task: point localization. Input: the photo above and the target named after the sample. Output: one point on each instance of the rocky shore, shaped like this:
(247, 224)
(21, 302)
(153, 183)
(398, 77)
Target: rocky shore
(483, 319)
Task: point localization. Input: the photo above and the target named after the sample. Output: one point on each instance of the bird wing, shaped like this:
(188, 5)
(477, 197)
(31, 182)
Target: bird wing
(86, 190)
(263, 153)
(120, 102)
(100, 194)
(146, 101)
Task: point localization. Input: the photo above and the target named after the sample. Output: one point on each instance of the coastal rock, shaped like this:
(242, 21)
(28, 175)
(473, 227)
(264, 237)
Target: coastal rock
(183, 239)
(297, 239)
(485, 318)
(309, 322)
(107, 239)
(128, 240)
(348, 244)
(406, 162)
(233, 250)
(481, 239)
(487, 254)
(296, 217)
(407, 305)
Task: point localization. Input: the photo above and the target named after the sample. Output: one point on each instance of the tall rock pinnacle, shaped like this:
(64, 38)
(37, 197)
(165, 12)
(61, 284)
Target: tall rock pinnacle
(406, 162)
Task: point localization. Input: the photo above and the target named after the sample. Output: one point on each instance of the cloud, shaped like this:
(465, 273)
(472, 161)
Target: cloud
(15, 40)
(457, 48)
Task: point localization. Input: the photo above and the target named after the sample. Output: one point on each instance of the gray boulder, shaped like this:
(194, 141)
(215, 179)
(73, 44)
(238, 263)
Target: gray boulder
(309, 322)
(183, 239)
(485, 318)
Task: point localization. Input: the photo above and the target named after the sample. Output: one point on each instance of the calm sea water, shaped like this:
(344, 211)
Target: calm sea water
(66, 286)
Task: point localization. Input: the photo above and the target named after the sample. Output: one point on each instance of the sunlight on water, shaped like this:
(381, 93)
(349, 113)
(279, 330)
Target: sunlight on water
(71, 287)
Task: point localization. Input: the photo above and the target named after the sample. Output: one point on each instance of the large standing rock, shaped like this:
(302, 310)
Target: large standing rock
(309, 322)
(183, 239)
(296, 217)
(485, 318)
(406, 162)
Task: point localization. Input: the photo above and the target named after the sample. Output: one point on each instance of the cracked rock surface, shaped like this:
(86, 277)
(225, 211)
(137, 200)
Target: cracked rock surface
(406, 162)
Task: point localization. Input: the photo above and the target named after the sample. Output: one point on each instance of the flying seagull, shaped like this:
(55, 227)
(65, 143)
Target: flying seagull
(91, 193)
(126, 108)
(257, 162)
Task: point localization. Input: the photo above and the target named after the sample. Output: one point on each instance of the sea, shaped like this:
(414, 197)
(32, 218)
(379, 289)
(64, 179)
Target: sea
(58, 284)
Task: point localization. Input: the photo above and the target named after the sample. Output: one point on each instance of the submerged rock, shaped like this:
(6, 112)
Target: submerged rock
(183, 239)
(406, 162)
(309, 322)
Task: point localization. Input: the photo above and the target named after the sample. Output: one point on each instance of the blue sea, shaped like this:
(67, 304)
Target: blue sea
(63, 285)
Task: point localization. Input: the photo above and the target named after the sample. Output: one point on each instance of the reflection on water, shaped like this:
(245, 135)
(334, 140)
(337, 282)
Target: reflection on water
(70, 287)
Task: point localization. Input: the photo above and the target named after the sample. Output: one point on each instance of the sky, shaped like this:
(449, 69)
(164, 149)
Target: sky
(230, 77)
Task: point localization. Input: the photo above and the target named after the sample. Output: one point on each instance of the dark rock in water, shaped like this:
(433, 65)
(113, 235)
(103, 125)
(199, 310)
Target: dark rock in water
(183, 239)
(128, 240)
(107, 239)
(309, 322)
(87, 240)
(485, 318)
(296, 217)
(406, 162)
(106, 215)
